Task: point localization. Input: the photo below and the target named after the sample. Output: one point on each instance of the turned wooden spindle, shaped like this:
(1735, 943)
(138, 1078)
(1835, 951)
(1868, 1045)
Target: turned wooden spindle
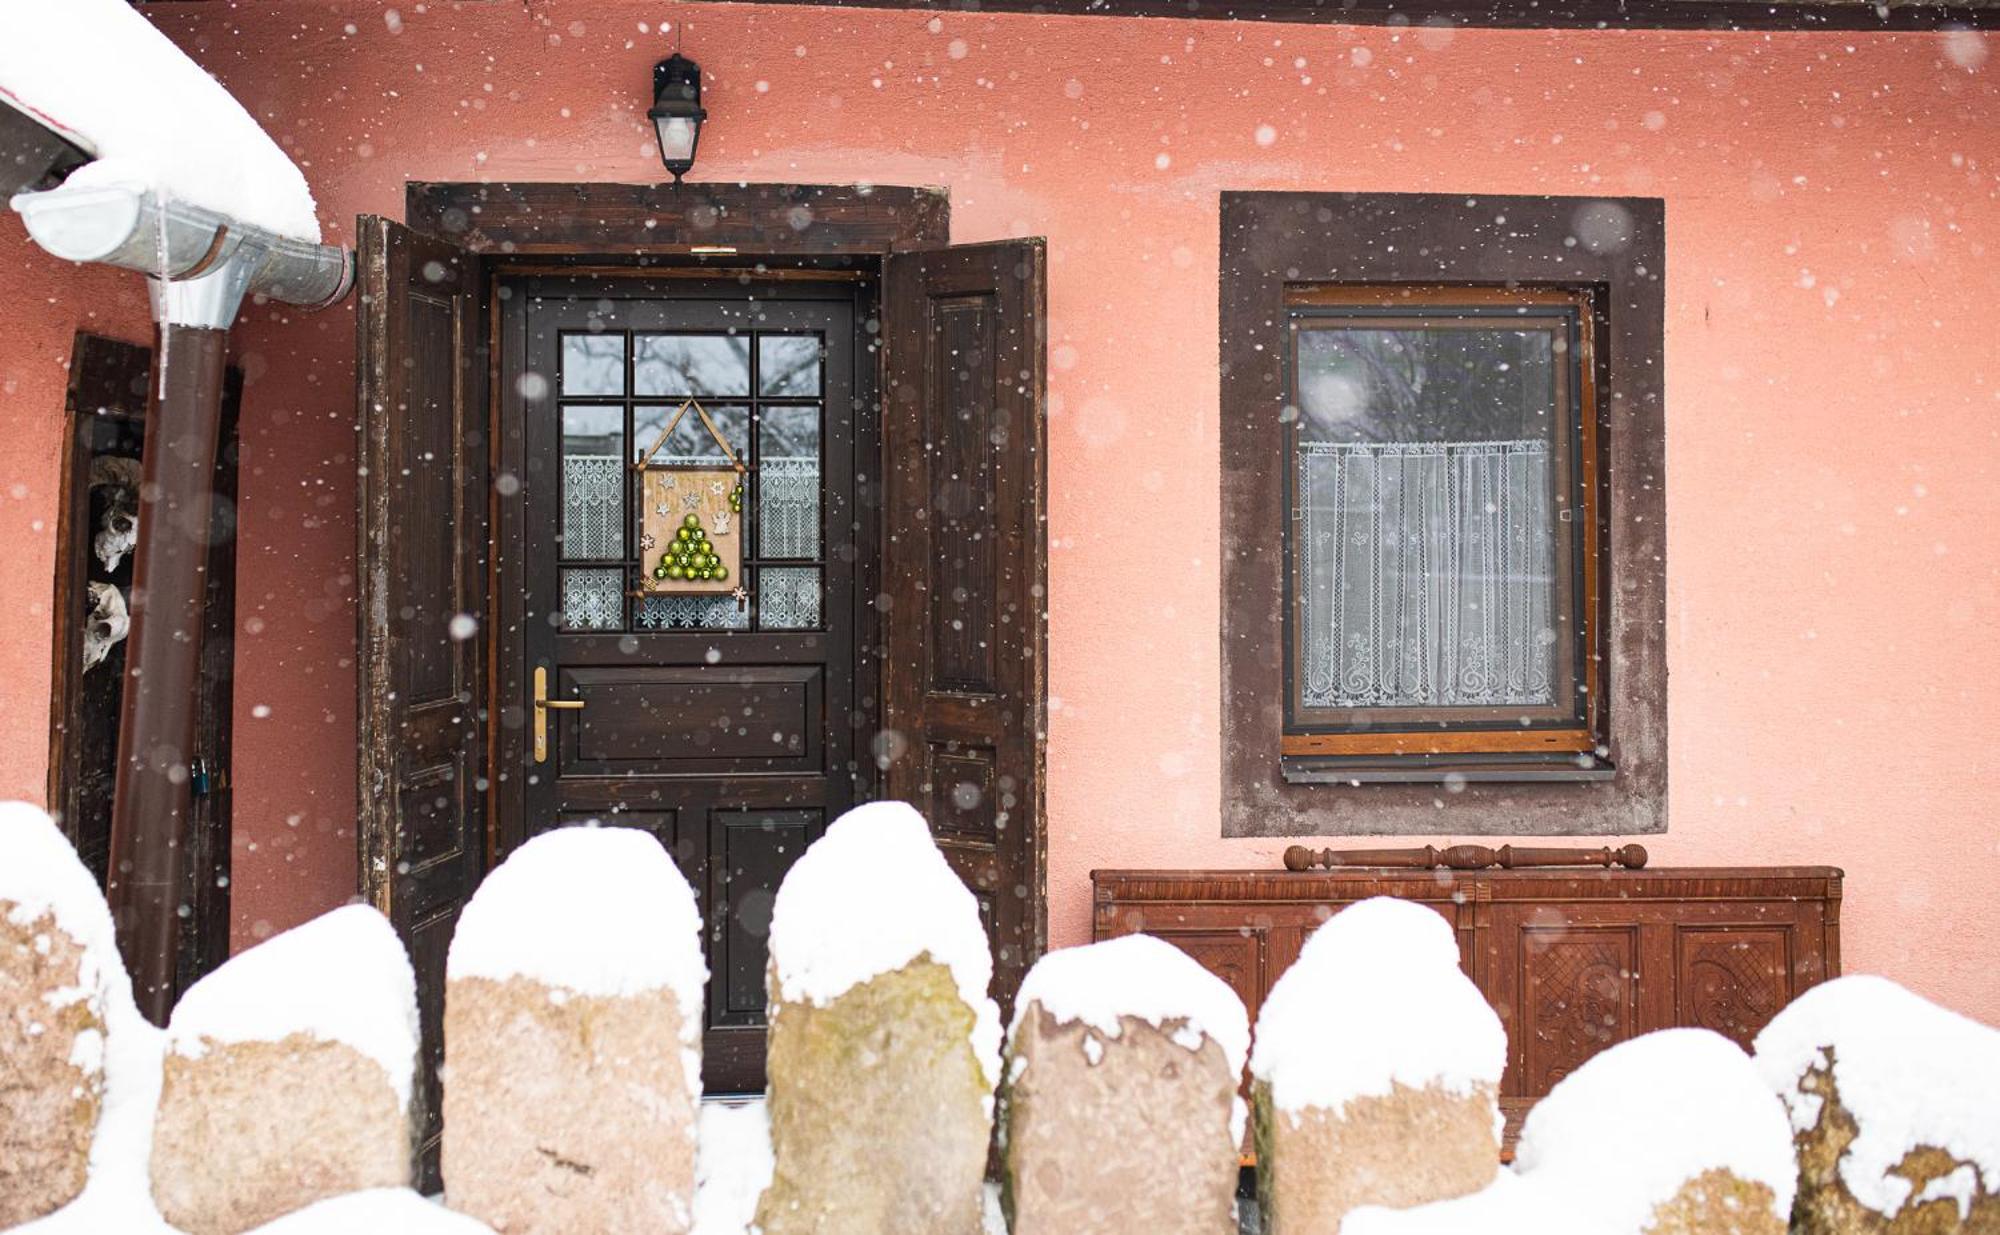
(1464, 857)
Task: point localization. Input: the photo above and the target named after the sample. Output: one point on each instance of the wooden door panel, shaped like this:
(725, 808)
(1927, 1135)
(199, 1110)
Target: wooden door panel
(668, 719)
(965, 573)
(422, 731)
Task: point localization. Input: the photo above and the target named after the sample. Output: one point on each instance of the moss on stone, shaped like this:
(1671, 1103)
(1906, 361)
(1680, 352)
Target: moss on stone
(1826, 1207)
(878, 1110)
(1717, 1202)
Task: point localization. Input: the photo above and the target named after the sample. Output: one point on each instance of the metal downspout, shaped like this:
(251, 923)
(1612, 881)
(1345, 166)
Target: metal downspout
(199, 265)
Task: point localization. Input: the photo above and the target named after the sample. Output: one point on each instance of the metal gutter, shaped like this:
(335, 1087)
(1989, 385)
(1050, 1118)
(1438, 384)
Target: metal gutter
(200, 265)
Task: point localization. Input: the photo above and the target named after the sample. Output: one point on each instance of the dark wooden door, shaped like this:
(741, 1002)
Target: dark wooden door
(965, 573)
(726, 724)
(422, 557)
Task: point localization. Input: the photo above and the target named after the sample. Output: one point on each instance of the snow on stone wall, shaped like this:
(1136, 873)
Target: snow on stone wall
(1911, 1075)
(1670, 1131)
(1426, 1022)
(1673, 1127)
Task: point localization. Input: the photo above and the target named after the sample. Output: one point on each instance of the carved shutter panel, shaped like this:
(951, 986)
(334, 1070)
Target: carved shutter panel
(422, 556)
(965, 570)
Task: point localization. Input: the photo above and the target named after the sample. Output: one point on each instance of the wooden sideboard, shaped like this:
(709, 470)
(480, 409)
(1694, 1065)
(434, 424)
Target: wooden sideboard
(1573, 961)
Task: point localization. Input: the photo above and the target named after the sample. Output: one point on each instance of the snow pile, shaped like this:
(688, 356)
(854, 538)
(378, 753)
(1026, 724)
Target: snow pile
(1376, 999)
(1148, 980)
(1619, 1137)
(1622, 1133)
(1910, 1073)
(342, 977)
(98, 72)
(41, 876)
(594, 911)
(40, 873)
(835, 925)
(1510, 1205)
(1141, 977)
(119, 1194)
(393, 1211)
(732, 1166)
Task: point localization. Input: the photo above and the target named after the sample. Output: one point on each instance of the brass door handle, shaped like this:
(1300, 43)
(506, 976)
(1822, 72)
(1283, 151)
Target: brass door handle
(542, 706)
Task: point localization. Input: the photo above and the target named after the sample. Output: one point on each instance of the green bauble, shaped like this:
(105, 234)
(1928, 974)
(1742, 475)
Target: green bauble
(706, 573)
(682, 534)
(712, 561)
(722, 572)
(676, 571)
(691, 521)
(660, 571)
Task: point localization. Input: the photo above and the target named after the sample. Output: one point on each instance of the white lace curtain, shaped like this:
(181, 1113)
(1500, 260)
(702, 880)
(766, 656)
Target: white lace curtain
(1428, 574)
(593, 512)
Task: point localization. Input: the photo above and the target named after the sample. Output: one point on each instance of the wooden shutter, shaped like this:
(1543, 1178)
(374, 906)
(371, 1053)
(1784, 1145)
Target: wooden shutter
(422, 557)
(965, 573)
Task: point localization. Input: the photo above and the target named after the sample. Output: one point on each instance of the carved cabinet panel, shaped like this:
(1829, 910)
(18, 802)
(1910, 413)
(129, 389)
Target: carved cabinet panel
(1579, 994)
(1572, 961)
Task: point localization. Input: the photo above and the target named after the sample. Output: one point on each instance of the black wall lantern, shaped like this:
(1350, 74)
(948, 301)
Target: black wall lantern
(676, 112)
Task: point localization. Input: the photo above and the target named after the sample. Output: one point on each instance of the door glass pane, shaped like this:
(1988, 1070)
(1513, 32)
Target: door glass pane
(593, 364)
(1428, 480)
(691, 442)
(593, 599)
(788, 598)
(788, 365)
(593, 483)
(788, 481)
(687, 612)
(691, 364)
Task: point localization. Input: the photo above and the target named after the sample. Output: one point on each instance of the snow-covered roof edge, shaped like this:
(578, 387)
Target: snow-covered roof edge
(100, 74)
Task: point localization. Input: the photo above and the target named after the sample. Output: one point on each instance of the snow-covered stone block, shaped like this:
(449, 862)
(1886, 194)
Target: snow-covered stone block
(1376, 1073)
(378, 1211)
(287, 1077)
(1120, 1112)
(61, 987)
(884, 1048)
(572, 1032)
(1672, 1133)
(1895, 1109)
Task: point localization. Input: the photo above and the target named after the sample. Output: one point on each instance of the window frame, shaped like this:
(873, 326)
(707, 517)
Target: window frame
(1567, 734)
(1614, 247)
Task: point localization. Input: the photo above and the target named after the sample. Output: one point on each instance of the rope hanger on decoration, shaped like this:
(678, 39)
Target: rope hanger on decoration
(692, 515)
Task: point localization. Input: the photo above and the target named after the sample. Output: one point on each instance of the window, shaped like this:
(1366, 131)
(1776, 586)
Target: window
(1443, 560)
(762, 392)
(1440, 545)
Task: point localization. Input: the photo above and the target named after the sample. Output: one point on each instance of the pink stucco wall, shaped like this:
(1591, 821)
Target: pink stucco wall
(1833, 206)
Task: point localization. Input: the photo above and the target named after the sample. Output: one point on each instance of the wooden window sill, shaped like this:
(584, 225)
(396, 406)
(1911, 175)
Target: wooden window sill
(1581, 768)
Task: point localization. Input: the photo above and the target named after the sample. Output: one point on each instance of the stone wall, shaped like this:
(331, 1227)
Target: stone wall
(571, 1096)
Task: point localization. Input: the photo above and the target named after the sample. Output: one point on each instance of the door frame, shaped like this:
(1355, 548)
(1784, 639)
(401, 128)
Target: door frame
(782, 230)
(523, 229)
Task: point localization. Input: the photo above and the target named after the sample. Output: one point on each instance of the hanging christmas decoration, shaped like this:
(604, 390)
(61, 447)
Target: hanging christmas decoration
(692, 517)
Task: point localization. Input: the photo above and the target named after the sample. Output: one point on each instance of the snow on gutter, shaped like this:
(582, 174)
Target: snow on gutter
(186, 187)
